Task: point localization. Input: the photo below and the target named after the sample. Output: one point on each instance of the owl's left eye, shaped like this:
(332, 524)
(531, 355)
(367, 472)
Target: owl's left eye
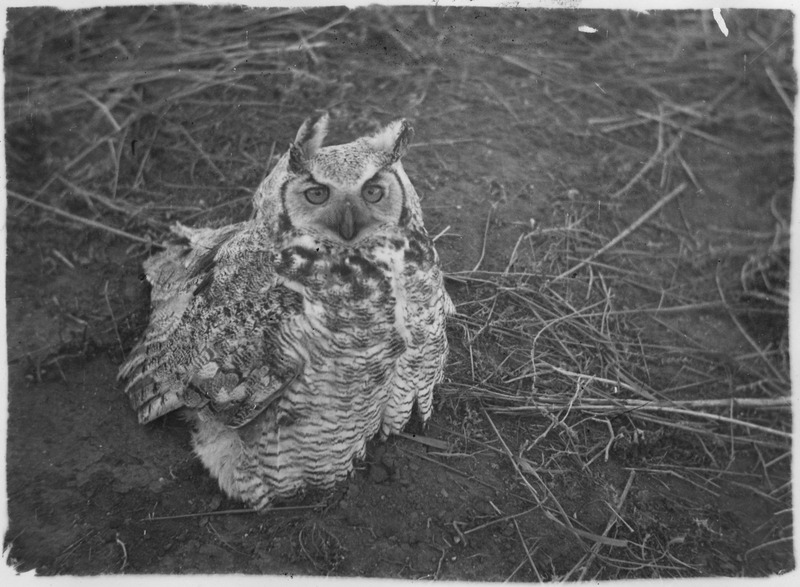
(317, 195)
(372, 193)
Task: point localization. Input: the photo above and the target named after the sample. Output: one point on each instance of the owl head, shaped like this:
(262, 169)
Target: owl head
(341, 193)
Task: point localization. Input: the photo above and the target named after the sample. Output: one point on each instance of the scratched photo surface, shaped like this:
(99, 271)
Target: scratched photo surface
(240, 242)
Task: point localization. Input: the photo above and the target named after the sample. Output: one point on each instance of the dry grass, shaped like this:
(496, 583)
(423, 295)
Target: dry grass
(559, 351)
(574, 334)
(166, 80)
(575, 337)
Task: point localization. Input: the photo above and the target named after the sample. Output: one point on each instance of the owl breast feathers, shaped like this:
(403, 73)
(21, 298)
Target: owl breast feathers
(293, 338)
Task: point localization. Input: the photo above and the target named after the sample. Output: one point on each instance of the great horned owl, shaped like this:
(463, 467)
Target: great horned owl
(293, 338)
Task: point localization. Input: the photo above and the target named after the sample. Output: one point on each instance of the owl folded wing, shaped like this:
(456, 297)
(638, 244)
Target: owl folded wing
(208, 342)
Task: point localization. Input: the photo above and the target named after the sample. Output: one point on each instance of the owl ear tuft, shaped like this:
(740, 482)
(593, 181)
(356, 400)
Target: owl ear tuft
(393, 140)
(308, 141)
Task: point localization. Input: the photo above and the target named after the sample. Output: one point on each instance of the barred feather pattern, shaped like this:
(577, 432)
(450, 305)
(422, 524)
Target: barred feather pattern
(316, 348)
(293, 338)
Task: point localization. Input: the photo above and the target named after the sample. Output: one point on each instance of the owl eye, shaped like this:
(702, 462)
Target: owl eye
(372, 193)
(317, 195)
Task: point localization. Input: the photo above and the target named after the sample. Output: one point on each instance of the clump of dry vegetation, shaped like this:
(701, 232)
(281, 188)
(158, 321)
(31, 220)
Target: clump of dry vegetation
(167, 79)
(593, 336)
(577, 331)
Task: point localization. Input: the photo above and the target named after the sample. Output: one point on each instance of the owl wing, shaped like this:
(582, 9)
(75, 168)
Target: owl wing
(421, 366)
(216, 320)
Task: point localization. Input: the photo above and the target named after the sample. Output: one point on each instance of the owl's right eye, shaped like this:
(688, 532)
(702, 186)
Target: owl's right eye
(317, 195)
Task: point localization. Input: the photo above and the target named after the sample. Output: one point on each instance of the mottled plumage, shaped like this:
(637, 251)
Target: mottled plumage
(295, 337)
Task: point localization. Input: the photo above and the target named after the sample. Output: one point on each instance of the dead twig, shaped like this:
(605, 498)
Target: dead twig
(124, 553)
(641, 220)
(485, 238)
(449, 468)
(779, 88)
(82, 220)
(612, 520)
(747, 336)
(113, 319)
(232, 512)
(527, 551)
(660, 154)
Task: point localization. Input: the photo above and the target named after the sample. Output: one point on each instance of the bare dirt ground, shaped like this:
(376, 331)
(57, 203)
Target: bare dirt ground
(586, 428)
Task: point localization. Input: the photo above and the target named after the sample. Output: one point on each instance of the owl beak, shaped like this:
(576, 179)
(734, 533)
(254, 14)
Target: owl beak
(347, 223)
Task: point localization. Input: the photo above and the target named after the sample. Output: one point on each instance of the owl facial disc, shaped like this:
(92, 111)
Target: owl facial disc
(346, 192)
